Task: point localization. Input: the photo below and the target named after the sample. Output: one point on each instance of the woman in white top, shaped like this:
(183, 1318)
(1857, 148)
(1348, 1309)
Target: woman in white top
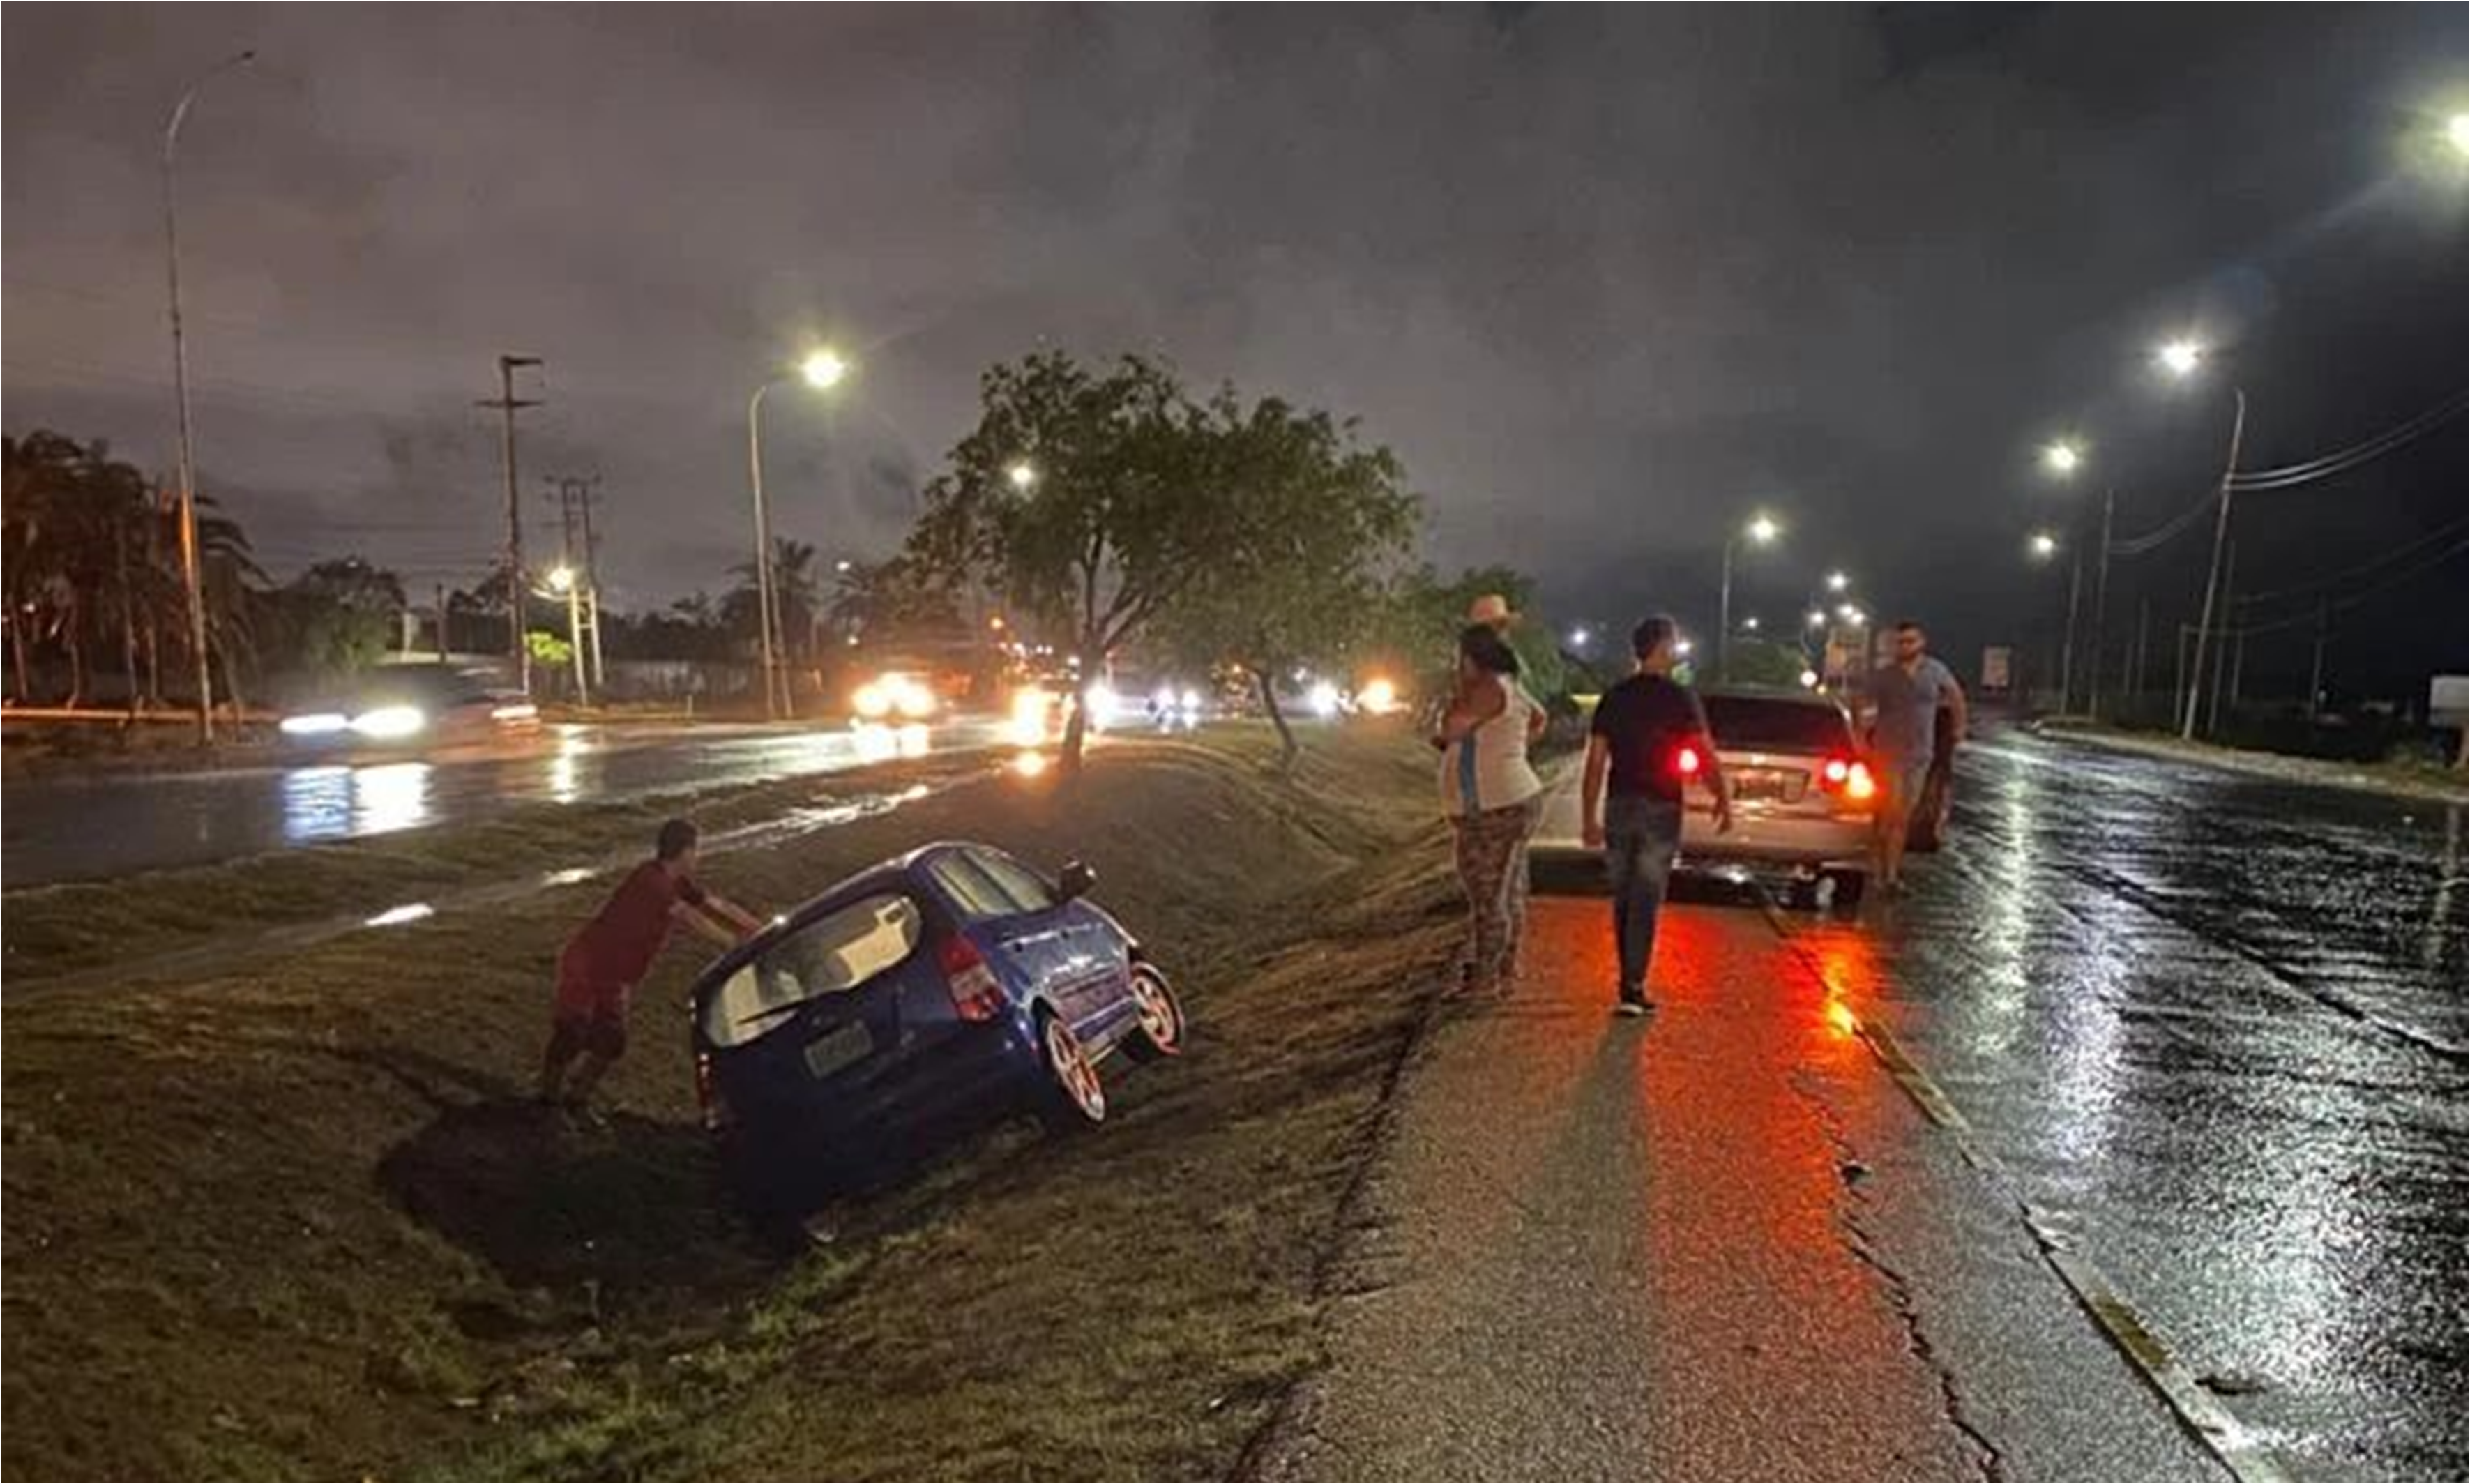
(1493, 799)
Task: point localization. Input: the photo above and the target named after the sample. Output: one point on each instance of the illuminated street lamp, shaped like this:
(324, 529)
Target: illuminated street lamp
(1579, 636)
(1761, 531)
(2457, 131)
(2043, 546)
(562, 584)
(2181, 359)
(1022, 474)
(1817, 618)
(1750, 625)
(2063, 457)
(823, 369)
(1837, 582)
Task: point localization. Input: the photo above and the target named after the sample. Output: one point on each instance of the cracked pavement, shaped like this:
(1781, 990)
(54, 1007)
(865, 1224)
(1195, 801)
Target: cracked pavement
(1718, 1243)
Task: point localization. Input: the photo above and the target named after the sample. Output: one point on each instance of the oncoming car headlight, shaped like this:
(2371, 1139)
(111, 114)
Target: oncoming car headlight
(386, 722)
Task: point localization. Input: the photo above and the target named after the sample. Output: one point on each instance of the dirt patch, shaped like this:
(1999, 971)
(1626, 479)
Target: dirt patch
(294, 1220)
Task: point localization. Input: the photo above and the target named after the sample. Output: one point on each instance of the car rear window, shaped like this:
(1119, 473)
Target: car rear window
(1019, 885)
(834, 954)
(1758, 723)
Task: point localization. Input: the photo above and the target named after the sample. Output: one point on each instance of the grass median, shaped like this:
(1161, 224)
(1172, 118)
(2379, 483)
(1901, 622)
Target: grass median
(294, 1220)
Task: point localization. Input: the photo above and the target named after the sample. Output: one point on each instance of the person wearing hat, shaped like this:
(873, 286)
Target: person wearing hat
(1493, 799)
(1493, 611)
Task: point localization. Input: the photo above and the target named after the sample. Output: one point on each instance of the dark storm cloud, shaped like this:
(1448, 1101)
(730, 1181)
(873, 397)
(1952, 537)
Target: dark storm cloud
(1603, 276)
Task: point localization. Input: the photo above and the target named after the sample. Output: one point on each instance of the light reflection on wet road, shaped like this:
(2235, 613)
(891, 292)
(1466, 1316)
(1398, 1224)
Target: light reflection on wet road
(78, 829)
(2216, 1024)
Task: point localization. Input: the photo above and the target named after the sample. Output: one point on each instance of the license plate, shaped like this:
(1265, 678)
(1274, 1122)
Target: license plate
(838, 1047)
(1766, 784)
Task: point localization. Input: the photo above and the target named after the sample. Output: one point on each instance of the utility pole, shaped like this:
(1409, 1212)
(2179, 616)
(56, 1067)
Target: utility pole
(2137, 666)
(582, 599)
(2315, 670)
(2221, 639)
(2100, 602)
(191, 570)
(517, 584)
(589, 498)
(442, 647)
(2067, 644)
(2213, 571)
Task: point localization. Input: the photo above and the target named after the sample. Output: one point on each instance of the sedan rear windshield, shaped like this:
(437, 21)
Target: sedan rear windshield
(836, 953)
(1758, 724)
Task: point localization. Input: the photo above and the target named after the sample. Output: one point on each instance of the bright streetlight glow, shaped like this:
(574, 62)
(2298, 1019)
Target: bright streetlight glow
(2044, 545)
(1022, 474)
(1849, 615)
(2180, 357)
(1809, 680)
(2457, 129)
(1817, 618)
(1762, 529)
(561, 578)
(1578, 638)
(1751, 623)
(823, 369)
(2062, 459)
(844, 567)
(1837, 582)
(1682, 647)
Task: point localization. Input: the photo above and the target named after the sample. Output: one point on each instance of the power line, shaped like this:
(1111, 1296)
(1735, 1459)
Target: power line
(2341, 461)
(2330, 606)
(2407, 549)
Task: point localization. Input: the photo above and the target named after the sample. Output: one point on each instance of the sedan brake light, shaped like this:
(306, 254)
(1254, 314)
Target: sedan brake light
(976, 994)
(1686, 762)
(1850, 776)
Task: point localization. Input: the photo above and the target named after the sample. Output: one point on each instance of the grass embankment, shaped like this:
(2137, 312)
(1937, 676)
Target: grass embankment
(2404, 777)
(296, 1220)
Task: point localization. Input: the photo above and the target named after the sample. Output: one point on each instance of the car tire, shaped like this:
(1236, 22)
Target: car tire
(1075, 1097)
(1160, 1034)
(1848, 886)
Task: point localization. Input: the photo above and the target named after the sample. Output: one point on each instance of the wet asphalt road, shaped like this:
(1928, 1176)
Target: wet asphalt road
(73, 829)
(2207, 1028)
(2215, 1026)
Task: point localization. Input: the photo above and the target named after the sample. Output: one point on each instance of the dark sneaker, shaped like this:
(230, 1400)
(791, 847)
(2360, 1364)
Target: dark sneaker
(1633, 1003)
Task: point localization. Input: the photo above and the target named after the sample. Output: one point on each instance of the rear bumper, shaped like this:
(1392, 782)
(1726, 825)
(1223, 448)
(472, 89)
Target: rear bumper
(1776, 839)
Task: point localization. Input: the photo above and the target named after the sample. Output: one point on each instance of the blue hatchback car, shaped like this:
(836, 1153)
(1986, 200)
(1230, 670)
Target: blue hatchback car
(951, 988)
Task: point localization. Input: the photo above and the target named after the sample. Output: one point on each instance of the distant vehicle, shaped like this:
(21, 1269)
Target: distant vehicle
(414, 706)
(951, 988)
(1803, 794)
(919, 681)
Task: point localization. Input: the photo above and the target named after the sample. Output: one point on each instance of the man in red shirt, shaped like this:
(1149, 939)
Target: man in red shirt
(602, 963)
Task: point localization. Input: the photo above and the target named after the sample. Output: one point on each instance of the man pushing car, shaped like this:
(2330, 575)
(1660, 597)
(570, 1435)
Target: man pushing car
(602, 963)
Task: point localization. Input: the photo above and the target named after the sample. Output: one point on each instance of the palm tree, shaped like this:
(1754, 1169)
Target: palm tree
(797, 594)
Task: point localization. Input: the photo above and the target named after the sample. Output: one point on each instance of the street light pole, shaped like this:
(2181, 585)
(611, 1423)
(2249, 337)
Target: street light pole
(768, 620)
(1724, 613)
(2213, 571)
(191, 575)
(2068, 645)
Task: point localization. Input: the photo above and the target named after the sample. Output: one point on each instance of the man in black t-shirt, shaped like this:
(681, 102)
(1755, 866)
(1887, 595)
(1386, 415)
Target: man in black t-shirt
(1648, 740)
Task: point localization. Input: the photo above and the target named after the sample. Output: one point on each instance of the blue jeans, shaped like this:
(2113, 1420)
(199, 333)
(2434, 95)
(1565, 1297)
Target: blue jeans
(1640, 838)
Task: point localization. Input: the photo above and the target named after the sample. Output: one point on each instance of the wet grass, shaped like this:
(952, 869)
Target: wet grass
(295, 1220)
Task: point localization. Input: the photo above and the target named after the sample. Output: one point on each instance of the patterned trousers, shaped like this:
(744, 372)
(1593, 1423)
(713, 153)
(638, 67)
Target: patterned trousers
(1492, 866)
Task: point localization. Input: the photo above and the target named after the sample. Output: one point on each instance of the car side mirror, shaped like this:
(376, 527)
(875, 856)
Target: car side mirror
(1077, 880)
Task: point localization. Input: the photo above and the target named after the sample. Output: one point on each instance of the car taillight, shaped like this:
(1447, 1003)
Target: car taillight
(975, 992)
(1686, 762)
(715, 1107)
(1849, 776)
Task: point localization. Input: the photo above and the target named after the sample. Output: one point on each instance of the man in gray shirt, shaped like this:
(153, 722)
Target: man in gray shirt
(1903, 733)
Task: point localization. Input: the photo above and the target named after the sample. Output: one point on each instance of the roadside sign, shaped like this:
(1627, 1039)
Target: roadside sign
(2448, 700)
(1997, 668)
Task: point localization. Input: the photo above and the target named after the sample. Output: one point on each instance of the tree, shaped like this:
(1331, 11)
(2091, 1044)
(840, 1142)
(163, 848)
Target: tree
(1753, 661)
(1315, 527)
(895, 596)
(338, 617)
(1117, 521)
(1417, 629)
(797, 596)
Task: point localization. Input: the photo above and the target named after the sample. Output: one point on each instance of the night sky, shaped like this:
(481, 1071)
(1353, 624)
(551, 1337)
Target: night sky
(1607, 278)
